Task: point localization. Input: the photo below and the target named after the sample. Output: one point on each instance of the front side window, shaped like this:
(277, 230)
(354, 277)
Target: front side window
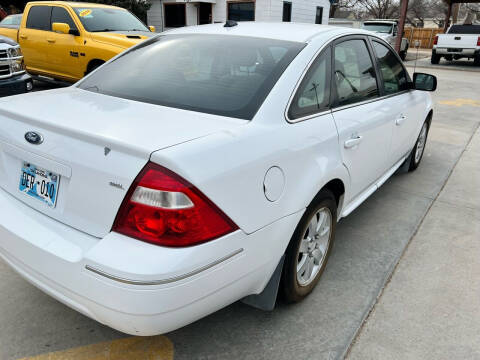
(60, 15)
(313, 94)
(216, 74)
(393, 74)
(39, 18)
(241, 11)
(98, 19)
(355, 78)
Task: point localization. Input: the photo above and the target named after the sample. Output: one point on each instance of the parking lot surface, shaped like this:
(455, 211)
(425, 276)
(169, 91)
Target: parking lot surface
(368, 246)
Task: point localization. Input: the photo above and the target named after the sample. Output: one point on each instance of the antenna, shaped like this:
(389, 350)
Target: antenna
(417, 45)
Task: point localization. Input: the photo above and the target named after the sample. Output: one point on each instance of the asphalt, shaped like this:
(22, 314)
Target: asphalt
(369, 244)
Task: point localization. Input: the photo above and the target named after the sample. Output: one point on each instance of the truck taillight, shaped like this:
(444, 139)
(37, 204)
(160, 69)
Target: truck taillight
(435, 40)
(478, 41)
(164, 209)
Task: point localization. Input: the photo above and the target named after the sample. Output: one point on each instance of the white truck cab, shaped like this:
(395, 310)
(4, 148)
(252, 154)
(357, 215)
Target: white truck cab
(388, 30)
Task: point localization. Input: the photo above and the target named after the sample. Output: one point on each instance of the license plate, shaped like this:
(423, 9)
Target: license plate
(39, 183)
(454, 50)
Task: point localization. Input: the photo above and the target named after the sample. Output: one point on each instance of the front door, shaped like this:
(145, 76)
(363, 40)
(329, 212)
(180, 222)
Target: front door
(204, 13)
(404, 108)
(65, 55)
(364, 128)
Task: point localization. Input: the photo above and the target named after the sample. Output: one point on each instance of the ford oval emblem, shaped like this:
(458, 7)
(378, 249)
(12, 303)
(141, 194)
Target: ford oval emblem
(34, 138)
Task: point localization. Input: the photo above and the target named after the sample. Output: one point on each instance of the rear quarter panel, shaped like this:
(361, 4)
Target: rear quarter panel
(11, 33)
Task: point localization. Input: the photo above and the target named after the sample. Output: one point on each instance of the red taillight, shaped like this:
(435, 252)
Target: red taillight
(164, 209)
(435, 40)
(478, 41)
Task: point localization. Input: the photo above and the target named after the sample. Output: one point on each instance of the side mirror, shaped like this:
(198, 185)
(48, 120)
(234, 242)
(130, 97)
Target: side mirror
(424, 82)
(152, 28)
(61, 28)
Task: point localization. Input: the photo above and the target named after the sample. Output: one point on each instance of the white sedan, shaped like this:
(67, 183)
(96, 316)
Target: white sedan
(206, 165)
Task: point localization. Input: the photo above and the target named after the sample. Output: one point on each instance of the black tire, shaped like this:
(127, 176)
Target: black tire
(291, 289)
(435, 59)
(476, 60)
(403, 55)
(414, 160)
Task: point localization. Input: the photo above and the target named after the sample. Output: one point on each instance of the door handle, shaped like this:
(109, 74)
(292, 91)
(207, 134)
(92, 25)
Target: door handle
(400, 120)
(24, 37)
(352, 142)
(51, 41)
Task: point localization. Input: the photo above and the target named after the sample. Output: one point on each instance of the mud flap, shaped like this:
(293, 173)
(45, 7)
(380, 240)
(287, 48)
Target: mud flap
(267, 298)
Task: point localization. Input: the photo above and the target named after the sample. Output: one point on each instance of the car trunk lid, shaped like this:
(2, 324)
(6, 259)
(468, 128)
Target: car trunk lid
(96, 144)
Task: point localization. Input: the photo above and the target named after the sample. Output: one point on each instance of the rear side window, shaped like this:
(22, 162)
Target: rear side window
(216, 74)
(39, 18)
(60, 15)
(393, 73)
(313, 94)
(355, 78)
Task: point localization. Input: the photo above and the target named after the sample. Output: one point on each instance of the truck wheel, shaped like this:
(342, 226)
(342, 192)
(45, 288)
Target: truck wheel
(92, 65)
(435, 59)
(476, 60)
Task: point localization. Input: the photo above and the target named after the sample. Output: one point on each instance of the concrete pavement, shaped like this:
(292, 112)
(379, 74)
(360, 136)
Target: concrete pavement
(431, 307)
(368, 247)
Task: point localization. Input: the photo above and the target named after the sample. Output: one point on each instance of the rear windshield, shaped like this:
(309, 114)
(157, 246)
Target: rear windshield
(378, 27)
(215, 74)
(465, 29)
(11, 20)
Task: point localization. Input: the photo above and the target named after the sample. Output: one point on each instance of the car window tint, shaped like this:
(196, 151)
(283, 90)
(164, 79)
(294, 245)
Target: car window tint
(313, 94)
(39, 18)
(216, 74)
(355, 78)
(393, 73)
(60, 15)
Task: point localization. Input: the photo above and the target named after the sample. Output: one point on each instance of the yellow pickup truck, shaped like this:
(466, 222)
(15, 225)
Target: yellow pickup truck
(67, 40)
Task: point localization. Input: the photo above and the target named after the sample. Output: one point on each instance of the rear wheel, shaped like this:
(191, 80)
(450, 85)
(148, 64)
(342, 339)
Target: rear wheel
(476, 60)
(309, 248)
(419, 148)
(435, 59)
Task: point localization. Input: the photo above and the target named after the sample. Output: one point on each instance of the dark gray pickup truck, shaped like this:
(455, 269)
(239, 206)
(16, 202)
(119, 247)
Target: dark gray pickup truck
(13, 77)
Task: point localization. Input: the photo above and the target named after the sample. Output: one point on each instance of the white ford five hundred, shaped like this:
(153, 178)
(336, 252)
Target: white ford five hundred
(203, 166)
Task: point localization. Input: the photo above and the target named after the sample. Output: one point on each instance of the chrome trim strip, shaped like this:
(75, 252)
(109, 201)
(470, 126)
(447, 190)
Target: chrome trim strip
(164, 281)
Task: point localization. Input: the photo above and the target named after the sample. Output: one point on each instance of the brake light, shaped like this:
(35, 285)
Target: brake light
(435, 40)
(478, 41)
(164, 209)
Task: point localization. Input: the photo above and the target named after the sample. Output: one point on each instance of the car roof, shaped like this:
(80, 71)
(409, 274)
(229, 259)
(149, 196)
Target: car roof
(73, 4)
(298, 32)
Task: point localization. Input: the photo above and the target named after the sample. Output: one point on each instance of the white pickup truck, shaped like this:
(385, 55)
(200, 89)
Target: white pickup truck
(388, 30)
(460, 41)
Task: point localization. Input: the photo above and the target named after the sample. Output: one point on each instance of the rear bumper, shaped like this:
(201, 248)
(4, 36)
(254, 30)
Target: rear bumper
(138, 288)
(459, 51)
(15, 85)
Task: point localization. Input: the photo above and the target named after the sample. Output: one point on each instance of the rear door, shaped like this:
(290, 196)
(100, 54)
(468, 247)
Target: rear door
(404, 110)
(363, 122)
(32, 37)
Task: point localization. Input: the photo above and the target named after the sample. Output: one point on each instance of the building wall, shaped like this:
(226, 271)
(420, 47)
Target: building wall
(265, 10)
